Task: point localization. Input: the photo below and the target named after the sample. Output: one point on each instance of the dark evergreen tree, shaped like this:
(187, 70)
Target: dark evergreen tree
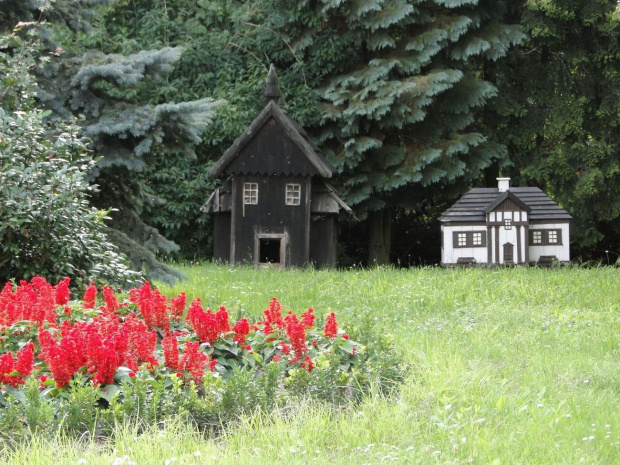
(401, 83)
(559, 113)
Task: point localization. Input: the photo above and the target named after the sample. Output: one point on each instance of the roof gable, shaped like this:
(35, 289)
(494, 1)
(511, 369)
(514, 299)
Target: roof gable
(506, 195)
(317, 164)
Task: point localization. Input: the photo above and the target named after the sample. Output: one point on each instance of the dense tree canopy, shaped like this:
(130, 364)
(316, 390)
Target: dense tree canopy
(413, 101)
(558, 112)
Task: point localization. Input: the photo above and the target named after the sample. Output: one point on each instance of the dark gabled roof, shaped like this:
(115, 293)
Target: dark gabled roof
(474, 205)
(291, 129)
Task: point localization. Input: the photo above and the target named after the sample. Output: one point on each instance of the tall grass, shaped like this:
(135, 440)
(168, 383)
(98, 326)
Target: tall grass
(507, 366)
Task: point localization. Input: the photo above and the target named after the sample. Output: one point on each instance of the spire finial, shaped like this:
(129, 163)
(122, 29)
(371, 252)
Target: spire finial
(272, 92)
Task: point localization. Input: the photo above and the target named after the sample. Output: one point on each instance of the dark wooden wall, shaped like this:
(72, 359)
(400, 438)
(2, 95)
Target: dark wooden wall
(271, 216)
(271, 151)
(221, 237)
(323, 240)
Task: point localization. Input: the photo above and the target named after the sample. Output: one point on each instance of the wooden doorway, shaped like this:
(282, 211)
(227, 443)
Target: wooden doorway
(270, 250)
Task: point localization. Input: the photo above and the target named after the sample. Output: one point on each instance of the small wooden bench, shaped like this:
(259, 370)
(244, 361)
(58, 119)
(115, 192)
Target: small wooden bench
(547, 260)
(466, 261)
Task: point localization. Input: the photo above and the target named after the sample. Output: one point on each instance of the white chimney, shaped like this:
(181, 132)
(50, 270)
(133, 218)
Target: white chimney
(503, 184)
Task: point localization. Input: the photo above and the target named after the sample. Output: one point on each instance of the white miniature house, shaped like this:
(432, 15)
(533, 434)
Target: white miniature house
(504, 226)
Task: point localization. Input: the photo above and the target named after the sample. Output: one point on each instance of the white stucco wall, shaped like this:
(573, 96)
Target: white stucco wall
(562, 252)
(450, 254)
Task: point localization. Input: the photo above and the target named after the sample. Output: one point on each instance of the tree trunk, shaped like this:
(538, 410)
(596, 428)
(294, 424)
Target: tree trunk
(380, 232)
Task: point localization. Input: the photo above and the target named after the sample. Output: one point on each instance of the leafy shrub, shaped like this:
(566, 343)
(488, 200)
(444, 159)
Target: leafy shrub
(87, 365)
(47, 226)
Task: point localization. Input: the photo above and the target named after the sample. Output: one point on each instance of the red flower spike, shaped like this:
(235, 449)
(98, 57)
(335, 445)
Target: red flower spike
(90, 295)
(25, 360)
(331, 326)
(307, 364)
(171, 352)
(307, 318)
(296, 335)
(241, 329)
(62, 293)
(194, 361)
(111, 302)
(177, 306)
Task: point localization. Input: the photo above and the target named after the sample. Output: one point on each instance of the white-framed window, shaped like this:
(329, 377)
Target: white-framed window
(293, 194)
(546, 237)
(553, 236)
(507, 224)
(250, 193)
(469, 239)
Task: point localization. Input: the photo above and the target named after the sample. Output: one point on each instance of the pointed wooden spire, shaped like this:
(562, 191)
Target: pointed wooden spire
(272, 92)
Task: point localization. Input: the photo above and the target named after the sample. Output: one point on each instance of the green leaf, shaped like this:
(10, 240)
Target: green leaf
(109, 391)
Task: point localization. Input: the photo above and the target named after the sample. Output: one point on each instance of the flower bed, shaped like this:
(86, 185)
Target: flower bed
(145, 356)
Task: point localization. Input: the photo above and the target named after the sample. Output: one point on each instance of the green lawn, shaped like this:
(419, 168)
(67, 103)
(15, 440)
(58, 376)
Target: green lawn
(507, 366)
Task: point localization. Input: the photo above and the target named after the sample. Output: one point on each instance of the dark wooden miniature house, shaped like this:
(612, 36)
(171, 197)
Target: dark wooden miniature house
(275, 206)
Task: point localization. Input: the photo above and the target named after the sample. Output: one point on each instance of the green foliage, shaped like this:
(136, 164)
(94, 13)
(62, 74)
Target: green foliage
(558, 113)
(47, 226)
(122, 109)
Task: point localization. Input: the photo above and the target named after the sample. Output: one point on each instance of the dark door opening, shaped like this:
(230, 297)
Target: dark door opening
(269, 251)
(508, 253)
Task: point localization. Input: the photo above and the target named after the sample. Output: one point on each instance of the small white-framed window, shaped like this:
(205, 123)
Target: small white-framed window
(293, 194)
(461, 239)
(250, 193)
(553, 236)
(536, 237)
(507, 224)
(477, 239)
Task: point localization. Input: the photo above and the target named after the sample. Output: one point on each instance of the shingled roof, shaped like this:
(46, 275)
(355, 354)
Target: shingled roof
(290, 127)
(472, 207)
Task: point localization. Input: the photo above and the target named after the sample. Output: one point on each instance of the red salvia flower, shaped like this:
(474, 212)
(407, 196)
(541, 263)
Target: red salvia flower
(62, 292)
(207, 325)
(171, 352)
(241, 329)
(307, 318)
(111, 302)
(331, 326)
(307, 364)
(296, 335)
(285, 348)
(25, 360)
(152, 305)
(273, 315)
(177, 306)
(90, 296)
(193, 361)
(13, 372)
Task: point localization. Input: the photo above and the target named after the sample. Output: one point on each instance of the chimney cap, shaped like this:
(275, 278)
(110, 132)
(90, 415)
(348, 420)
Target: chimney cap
(503, 184)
